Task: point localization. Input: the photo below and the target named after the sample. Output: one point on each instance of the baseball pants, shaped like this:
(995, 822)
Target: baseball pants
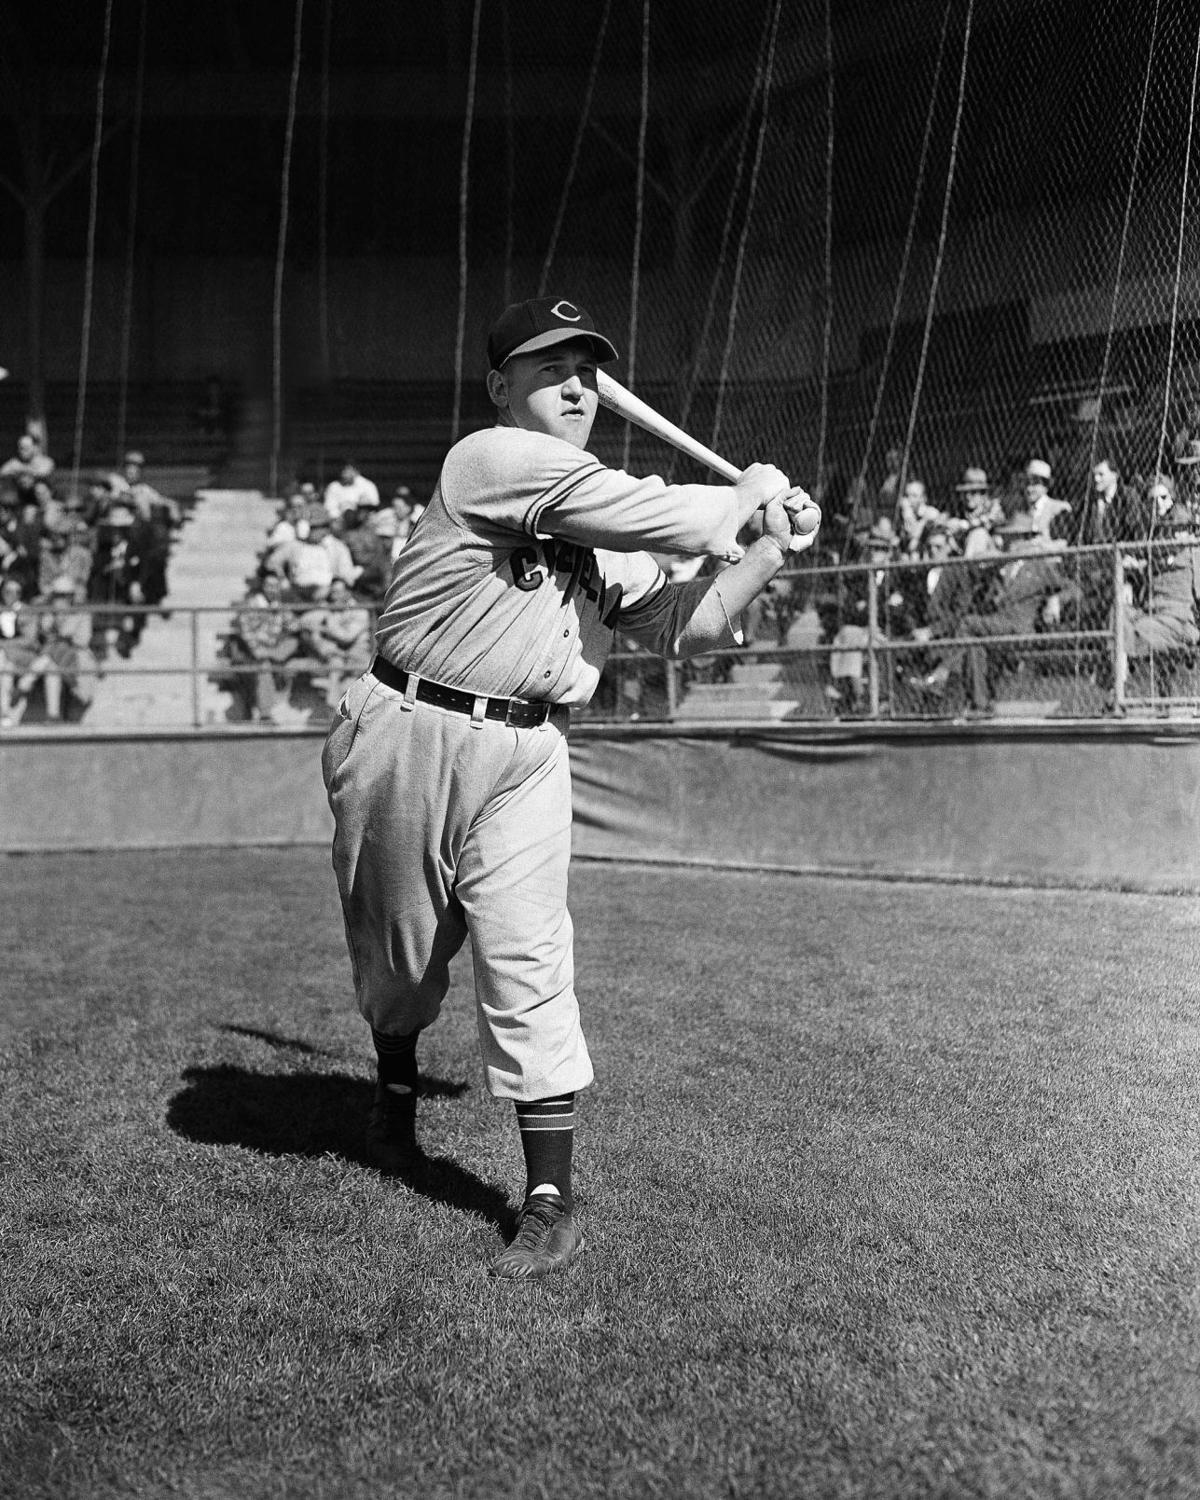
(447, 826)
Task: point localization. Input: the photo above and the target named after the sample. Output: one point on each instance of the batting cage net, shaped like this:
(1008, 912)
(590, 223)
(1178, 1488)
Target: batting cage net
(904, 250)
(871, 242)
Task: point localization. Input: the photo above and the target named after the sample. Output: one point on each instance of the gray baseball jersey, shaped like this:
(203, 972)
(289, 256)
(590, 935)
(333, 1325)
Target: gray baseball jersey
(531, 555)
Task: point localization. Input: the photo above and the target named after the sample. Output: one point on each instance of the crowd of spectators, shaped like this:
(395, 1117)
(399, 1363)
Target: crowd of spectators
(1001, 562)
(80, 560)
(309, 611)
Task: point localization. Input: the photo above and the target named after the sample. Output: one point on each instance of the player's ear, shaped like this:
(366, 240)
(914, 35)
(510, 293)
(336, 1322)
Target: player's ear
(497, 389)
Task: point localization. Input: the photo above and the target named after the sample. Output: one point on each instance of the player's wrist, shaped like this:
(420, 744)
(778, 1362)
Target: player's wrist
(780, 544)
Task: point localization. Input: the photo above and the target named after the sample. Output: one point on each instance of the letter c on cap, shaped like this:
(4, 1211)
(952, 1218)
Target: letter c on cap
(568, 317)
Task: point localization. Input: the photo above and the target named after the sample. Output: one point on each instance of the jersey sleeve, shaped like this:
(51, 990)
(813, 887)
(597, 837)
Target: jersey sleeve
(529, 482)
(653, 611)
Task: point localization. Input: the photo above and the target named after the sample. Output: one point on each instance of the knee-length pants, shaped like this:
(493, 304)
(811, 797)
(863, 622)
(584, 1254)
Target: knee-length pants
(447, 825)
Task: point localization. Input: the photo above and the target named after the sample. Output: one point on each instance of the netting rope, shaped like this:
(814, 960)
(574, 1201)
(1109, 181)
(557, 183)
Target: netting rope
(722, 256)
(139, 91)
(576, 149)
(89, 266)
(639, 217)
(460, 334)
(941, 252)
(740, 259)
(1183, 205)
(827, 332)
(281, 254)
(902, 277)
(1110, 332)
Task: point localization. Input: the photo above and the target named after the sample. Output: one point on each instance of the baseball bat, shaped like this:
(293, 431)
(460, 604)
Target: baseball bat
(633, 409)
(614, 395)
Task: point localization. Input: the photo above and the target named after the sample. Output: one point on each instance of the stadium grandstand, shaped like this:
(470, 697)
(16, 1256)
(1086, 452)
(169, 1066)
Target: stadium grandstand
(936, 260)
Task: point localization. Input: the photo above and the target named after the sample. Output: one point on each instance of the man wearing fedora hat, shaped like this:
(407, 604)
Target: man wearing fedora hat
(447, 765)
(981, 513)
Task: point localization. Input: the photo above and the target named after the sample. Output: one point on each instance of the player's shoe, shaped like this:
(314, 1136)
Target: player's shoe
(391, 1138)
(547, 1239)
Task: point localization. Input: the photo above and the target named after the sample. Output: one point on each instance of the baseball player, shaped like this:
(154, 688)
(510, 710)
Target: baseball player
(446, 767)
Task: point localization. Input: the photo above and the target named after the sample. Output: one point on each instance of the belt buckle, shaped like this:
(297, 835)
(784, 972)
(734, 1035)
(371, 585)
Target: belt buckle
(511, 722)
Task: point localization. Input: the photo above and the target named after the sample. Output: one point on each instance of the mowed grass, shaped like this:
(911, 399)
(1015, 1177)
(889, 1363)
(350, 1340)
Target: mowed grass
(891, 1190)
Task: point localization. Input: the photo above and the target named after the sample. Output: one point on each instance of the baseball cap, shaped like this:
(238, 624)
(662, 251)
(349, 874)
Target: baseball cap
(525, 327)
(1038, 468)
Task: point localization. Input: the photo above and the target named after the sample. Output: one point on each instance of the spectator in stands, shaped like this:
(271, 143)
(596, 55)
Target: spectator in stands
(396, 521)
(27, 464)
(310, 564)
(21, 663)
(875, 546)
(116, 582)
(942, 591)
(1014, 601)
(67, 664)
(916, 512)
(50, 507)
(1052, 516)
(1107, 515)
(369, 552)
(1160, 619)
(1187, 461)
(159, 515)
(132, 486)
(889, 489)
(1110, 513)
(340, 636)
(1187, 435)
(22, 543)
(981, 514)
(66, 553)
(94, 503)
(264, 636)
(350, 491)
(292, 520)
(937, 597)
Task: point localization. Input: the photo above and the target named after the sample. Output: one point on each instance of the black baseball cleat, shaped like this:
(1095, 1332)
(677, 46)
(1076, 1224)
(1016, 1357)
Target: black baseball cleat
(547, 1239)
(391, 1138)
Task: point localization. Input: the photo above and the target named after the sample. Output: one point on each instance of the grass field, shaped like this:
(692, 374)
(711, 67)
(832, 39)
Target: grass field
(891, 1190)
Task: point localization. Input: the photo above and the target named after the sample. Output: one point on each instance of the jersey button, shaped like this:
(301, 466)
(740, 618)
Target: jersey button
(566, 633)
(545, 674)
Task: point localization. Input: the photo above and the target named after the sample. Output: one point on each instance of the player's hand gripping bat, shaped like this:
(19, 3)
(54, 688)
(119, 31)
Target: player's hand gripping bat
(806, 517)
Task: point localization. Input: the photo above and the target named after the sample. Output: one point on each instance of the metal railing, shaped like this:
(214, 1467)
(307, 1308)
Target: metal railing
(823, 645)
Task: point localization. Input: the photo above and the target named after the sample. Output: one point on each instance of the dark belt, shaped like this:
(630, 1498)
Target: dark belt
(515, 712)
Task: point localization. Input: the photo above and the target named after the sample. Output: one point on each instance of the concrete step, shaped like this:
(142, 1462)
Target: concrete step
(214, 555)
(737, 692)
(757, 671)
(714, 709)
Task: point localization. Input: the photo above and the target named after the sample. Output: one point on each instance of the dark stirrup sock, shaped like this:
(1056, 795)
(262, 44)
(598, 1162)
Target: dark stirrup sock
(397, 1059)
(547, 1129)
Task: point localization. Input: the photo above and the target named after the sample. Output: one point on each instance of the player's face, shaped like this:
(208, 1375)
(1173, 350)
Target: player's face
(553, 391)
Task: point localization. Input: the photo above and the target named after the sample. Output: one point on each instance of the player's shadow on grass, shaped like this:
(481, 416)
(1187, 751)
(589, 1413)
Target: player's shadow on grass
(315, 1114)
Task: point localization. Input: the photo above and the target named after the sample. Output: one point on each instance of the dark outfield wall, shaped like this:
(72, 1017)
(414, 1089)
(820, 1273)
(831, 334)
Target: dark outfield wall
(1111, 806)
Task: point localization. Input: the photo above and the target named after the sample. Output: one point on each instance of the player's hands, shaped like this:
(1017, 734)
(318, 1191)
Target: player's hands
(777, 524)
(804, 518)
(760, 482)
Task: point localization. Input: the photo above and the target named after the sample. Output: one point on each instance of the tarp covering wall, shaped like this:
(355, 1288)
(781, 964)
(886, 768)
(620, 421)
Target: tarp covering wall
(1113, 808)
(1121, 809)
